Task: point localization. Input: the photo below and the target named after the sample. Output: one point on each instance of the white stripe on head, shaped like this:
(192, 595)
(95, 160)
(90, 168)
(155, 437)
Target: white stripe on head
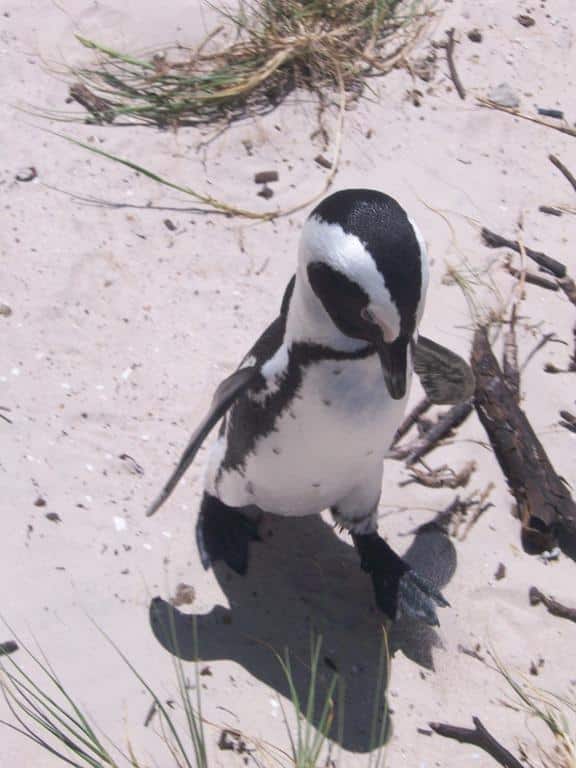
(329, 244)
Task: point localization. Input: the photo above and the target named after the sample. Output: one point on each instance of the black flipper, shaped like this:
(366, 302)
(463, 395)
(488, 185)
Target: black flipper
(228, 391)
(445, 376)
(398, 589)
(224, 533)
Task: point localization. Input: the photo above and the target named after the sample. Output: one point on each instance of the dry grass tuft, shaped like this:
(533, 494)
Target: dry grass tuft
(278, 46)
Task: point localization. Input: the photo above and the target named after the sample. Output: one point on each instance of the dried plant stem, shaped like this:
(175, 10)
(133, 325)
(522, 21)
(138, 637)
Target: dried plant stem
(531, 118)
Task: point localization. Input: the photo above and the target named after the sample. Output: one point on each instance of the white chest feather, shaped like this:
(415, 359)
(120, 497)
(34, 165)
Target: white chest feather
(330, 440)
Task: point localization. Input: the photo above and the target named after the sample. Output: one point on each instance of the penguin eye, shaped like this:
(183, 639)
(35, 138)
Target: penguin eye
(366, 315)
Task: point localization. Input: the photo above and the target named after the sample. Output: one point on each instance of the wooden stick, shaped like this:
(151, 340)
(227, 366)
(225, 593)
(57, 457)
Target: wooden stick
(478, 737)
(568, 420)
(412, 418)
(563, 170)
(553, 606)
(550, 210)
(451, 66)
(445, 424)
(569, 287)
(544, 502)
(533, 278)
(492, 240)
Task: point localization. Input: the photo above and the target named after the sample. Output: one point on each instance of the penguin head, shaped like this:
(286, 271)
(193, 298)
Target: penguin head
(366, 262)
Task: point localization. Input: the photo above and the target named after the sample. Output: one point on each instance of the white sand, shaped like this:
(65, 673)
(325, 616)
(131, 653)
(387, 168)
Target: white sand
(121, 328)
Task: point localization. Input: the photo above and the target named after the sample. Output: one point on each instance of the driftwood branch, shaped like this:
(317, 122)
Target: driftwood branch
(553, 606)
(493, 240)
(478, 737)
(544, 502)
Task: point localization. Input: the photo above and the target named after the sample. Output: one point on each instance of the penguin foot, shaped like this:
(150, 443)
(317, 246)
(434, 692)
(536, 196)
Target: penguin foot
(398, 589)
(224, 533)
(418, 598)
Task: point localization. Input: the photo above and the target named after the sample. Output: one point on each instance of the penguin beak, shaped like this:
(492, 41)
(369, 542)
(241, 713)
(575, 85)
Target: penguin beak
(393, 358)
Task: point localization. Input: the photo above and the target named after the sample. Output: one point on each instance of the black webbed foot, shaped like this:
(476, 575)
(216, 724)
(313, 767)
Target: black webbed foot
(398, 589)
(224, 533)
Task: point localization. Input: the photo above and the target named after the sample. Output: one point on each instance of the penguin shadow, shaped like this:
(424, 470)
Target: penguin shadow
(305, 582)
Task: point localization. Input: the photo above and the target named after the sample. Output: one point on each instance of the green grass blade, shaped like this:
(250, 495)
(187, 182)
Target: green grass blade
(111, 53)
(206, 199)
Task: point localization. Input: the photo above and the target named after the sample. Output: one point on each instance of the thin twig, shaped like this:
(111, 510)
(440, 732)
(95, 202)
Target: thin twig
(412, 419)
(542, 343)
(532, 278)
(441, 477)
(531, 118)
(553, 606)
(451, 66)
(2, 416)
(563, 170)
(493, 240)
(449, 421)
(478, 737)
(481, 507)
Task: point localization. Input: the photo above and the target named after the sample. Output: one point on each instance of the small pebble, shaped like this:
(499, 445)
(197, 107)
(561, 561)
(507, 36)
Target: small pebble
(8, 647)
(266, 177)
(5, 310)
(54, 517)
(525, 20)
(475, 36)
(40, 502)
(500, 572)
(266, 192)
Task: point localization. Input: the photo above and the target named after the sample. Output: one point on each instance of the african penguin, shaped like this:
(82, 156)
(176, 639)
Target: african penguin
(307, 419)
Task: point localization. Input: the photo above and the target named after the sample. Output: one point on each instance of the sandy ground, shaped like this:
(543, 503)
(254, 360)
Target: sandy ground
(120, 328)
